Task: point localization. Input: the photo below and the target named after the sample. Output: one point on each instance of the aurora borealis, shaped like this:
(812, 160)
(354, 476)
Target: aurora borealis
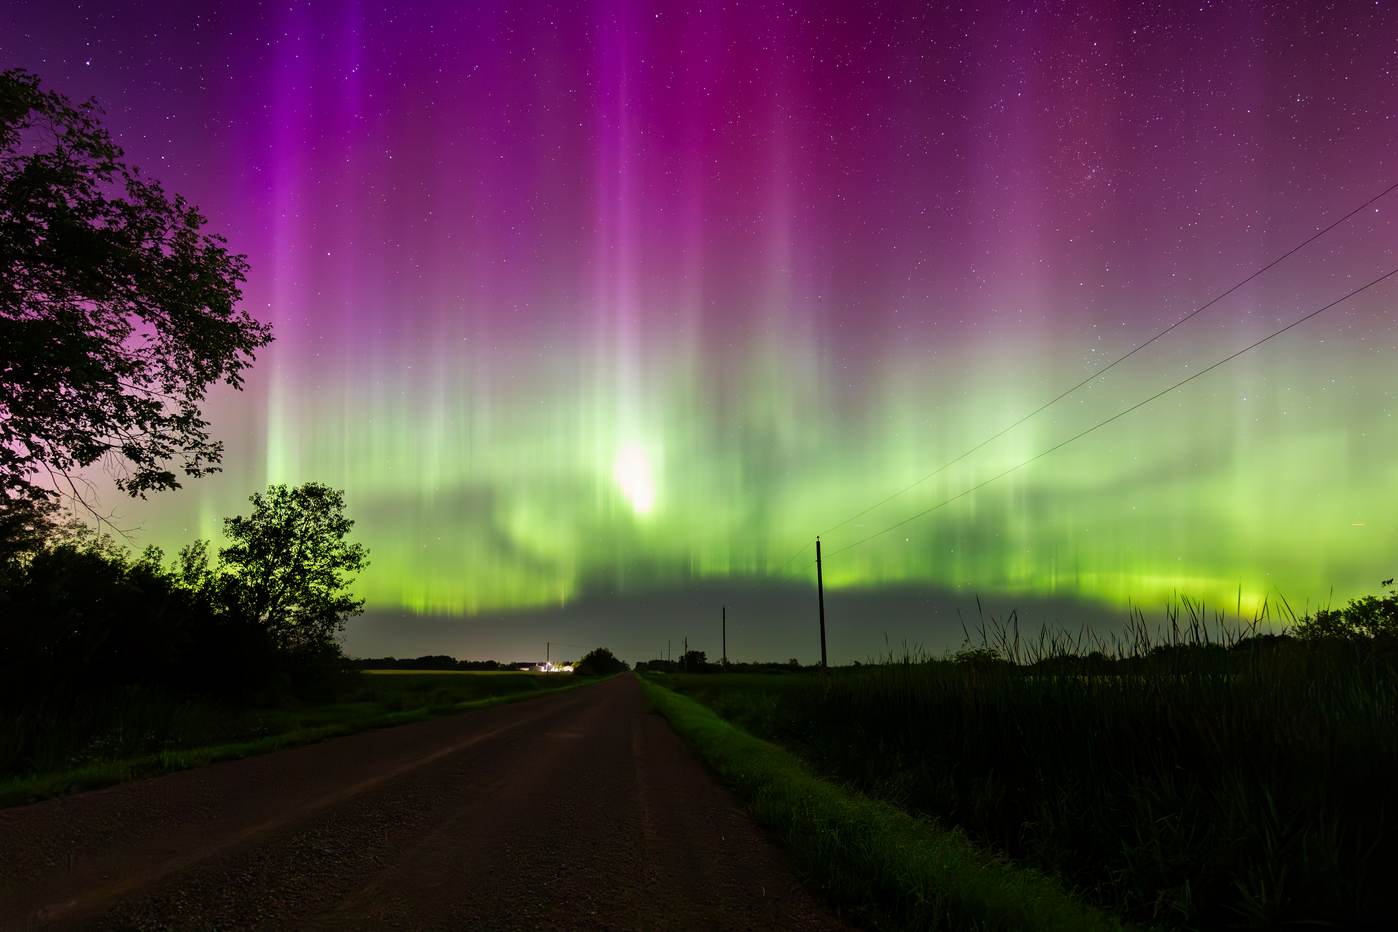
(613, 297)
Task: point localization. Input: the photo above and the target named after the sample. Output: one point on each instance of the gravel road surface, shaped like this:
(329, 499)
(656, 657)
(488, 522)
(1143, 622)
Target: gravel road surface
(580, 810)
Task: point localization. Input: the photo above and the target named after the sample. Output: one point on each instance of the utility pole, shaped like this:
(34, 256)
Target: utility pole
(684, 658)
(820, 594)
(725, 634)
(548, 656)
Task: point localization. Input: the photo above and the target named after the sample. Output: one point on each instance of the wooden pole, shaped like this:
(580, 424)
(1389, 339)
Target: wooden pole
(725, 635)
(820, 594)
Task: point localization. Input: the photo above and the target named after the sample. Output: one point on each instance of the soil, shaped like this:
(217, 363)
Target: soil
(580, 810)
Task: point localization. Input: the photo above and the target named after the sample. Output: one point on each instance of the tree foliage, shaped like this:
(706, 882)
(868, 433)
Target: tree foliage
(289, 563)
(27, 523)
(79, 613)
(116, 312)
(599, 662)
(1366, 617)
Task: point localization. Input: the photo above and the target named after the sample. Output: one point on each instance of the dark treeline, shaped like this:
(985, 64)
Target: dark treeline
(103, 652)
(81, 613)
(598, 662)
(433, 662)
(697, 661)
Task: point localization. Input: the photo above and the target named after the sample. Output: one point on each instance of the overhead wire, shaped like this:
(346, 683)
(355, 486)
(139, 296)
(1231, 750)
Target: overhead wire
(778, 570)
(1100, 372)
(1100, 424)
(1095, 375)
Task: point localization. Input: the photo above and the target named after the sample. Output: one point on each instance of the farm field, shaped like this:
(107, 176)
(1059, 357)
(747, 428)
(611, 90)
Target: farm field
(1187, 785)
(55, 745)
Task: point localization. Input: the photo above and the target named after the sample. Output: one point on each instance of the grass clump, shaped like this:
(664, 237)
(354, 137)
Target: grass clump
(888, 868)
(1190, 781)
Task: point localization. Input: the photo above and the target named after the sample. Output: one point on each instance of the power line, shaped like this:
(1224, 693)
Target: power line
(778, 570)
(1100, 372)
(1104, 423)
(1096, 375)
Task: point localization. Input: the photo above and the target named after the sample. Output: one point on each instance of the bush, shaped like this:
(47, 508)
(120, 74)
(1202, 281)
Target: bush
(600, 662)
(1369, 617)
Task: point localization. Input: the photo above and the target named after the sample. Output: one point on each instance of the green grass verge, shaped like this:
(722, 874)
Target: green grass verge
(881, 864)
(317, 723)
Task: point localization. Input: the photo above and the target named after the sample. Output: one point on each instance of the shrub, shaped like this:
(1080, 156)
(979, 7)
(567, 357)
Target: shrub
(1368, 617)
(600, 662)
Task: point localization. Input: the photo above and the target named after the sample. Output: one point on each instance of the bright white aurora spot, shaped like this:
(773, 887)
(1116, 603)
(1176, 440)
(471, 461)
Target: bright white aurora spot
(632, 472)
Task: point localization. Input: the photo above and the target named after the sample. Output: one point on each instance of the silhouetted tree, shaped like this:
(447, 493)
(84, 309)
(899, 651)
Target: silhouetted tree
(79, 613)
(1366, 617)
(599, 662)
(116, 312)
(289, 567)
(27, 522)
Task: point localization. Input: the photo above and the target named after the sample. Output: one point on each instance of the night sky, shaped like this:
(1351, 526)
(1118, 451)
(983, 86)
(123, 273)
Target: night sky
(600, 312)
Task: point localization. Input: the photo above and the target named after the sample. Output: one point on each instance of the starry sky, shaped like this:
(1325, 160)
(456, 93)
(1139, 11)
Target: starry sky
(601, 311)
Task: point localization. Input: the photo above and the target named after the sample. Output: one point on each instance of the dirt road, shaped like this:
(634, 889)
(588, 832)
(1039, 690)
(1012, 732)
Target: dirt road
(575, 811)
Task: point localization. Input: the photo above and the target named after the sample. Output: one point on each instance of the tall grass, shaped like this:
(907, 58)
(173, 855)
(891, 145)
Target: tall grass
(887, 869)
(1203, 779)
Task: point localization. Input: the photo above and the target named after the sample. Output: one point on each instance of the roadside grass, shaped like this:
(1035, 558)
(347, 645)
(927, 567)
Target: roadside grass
(1236, 783)
(885, 867)
(56, 746)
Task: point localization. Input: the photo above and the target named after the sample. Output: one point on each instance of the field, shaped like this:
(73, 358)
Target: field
(55, 744)
(1192, 784)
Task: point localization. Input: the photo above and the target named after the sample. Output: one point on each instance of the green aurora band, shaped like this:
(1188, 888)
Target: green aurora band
(1274, 474)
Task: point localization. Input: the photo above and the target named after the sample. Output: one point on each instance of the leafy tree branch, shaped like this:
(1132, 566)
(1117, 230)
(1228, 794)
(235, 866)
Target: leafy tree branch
(116, 312)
